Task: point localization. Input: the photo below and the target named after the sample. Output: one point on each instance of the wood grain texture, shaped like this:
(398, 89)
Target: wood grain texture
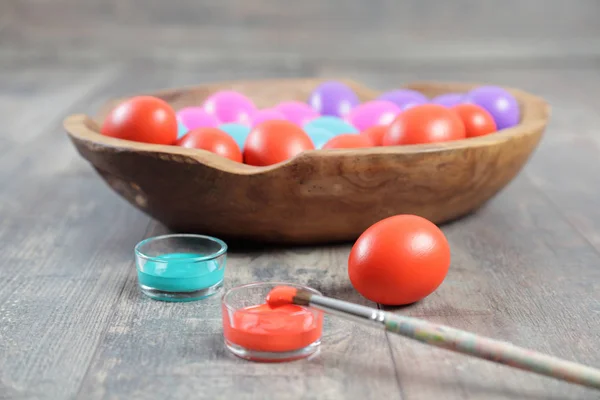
(515, 264)
(165, 350)
(288, 202)
(72, 324)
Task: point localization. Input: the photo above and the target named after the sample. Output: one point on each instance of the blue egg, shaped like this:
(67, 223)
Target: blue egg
(238, 132)
(181, 129)
(335, 125)
(319, 136)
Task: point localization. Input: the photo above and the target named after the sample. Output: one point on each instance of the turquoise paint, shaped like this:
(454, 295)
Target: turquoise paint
(319, 136)
(238, 132)
(335, 125)
(181, 129)
(176, 272)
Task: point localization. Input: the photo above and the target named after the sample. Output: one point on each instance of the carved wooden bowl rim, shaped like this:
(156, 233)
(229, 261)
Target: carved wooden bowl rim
(535, 112)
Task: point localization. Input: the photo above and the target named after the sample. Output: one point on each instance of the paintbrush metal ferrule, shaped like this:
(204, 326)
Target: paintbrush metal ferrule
(365, 315)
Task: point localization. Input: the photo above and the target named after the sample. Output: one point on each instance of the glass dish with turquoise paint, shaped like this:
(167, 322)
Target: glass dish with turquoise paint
(180, 267)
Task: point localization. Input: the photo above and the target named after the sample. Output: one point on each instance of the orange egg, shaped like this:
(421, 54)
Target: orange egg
(213, 140)
(348, 141)
(478, 121)
(426, 123)
(399, 260)
(142, 119)
(275, 141)
(375, 133)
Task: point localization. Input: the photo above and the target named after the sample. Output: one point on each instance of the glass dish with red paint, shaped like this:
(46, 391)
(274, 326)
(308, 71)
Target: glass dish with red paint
(254, 331)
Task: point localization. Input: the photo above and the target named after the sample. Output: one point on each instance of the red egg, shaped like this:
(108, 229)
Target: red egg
(348, 141)
(213, 140)
(275, 141)
(399, 260)
(375, 133)
(142, 119)
(426, 123)
(477, 120)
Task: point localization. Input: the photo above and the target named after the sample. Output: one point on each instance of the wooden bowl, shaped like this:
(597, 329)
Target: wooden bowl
(320, 195)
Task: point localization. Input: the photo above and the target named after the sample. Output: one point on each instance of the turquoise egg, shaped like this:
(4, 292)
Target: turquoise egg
(181, 129)
(335, 125)
(238, 132)
(319, 136)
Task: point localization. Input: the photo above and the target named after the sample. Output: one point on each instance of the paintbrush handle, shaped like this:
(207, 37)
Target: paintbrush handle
(458, 341)
(492, 350)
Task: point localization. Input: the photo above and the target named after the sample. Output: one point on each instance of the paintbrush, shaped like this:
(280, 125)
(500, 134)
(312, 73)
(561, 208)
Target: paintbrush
(443, 336)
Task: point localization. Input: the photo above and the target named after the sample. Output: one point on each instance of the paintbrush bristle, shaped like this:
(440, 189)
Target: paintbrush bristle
(283, 295)
(302, 297)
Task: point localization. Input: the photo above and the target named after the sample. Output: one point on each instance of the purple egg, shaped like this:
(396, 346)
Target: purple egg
(297, 112)
(377, 112)
(333, 98)
(404, 97)
(196, 117)
(449, 99)
(229, 106)
(266, 114)
(498, 102)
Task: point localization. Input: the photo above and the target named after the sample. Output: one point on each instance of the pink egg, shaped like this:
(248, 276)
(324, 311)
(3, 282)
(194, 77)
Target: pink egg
(376, 112)
(297, 112)
(229, 106)
(266, 114)
(196, 117)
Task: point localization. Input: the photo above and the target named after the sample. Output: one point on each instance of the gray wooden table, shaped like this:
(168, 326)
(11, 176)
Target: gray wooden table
(525, 268)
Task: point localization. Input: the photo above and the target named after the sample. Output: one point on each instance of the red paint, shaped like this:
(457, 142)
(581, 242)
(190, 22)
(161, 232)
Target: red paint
(281, 295)
(281, 329)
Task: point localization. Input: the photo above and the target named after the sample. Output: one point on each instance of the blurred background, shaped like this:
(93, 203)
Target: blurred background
(528, 43)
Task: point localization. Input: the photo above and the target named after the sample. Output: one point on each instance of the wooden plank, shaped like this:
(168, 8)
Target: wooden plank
(165, 350)
(64, 266)
(520, 273)
(565, 167)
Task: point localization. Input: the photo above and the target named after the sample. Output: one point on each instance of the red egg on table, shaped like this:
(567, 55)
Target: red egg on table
(399, 260)
(275, 141)
(477, 120)
(377, 112)
(229, 106)
(213, 140)
(348, 141)
(426, 123)
(145, 119)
